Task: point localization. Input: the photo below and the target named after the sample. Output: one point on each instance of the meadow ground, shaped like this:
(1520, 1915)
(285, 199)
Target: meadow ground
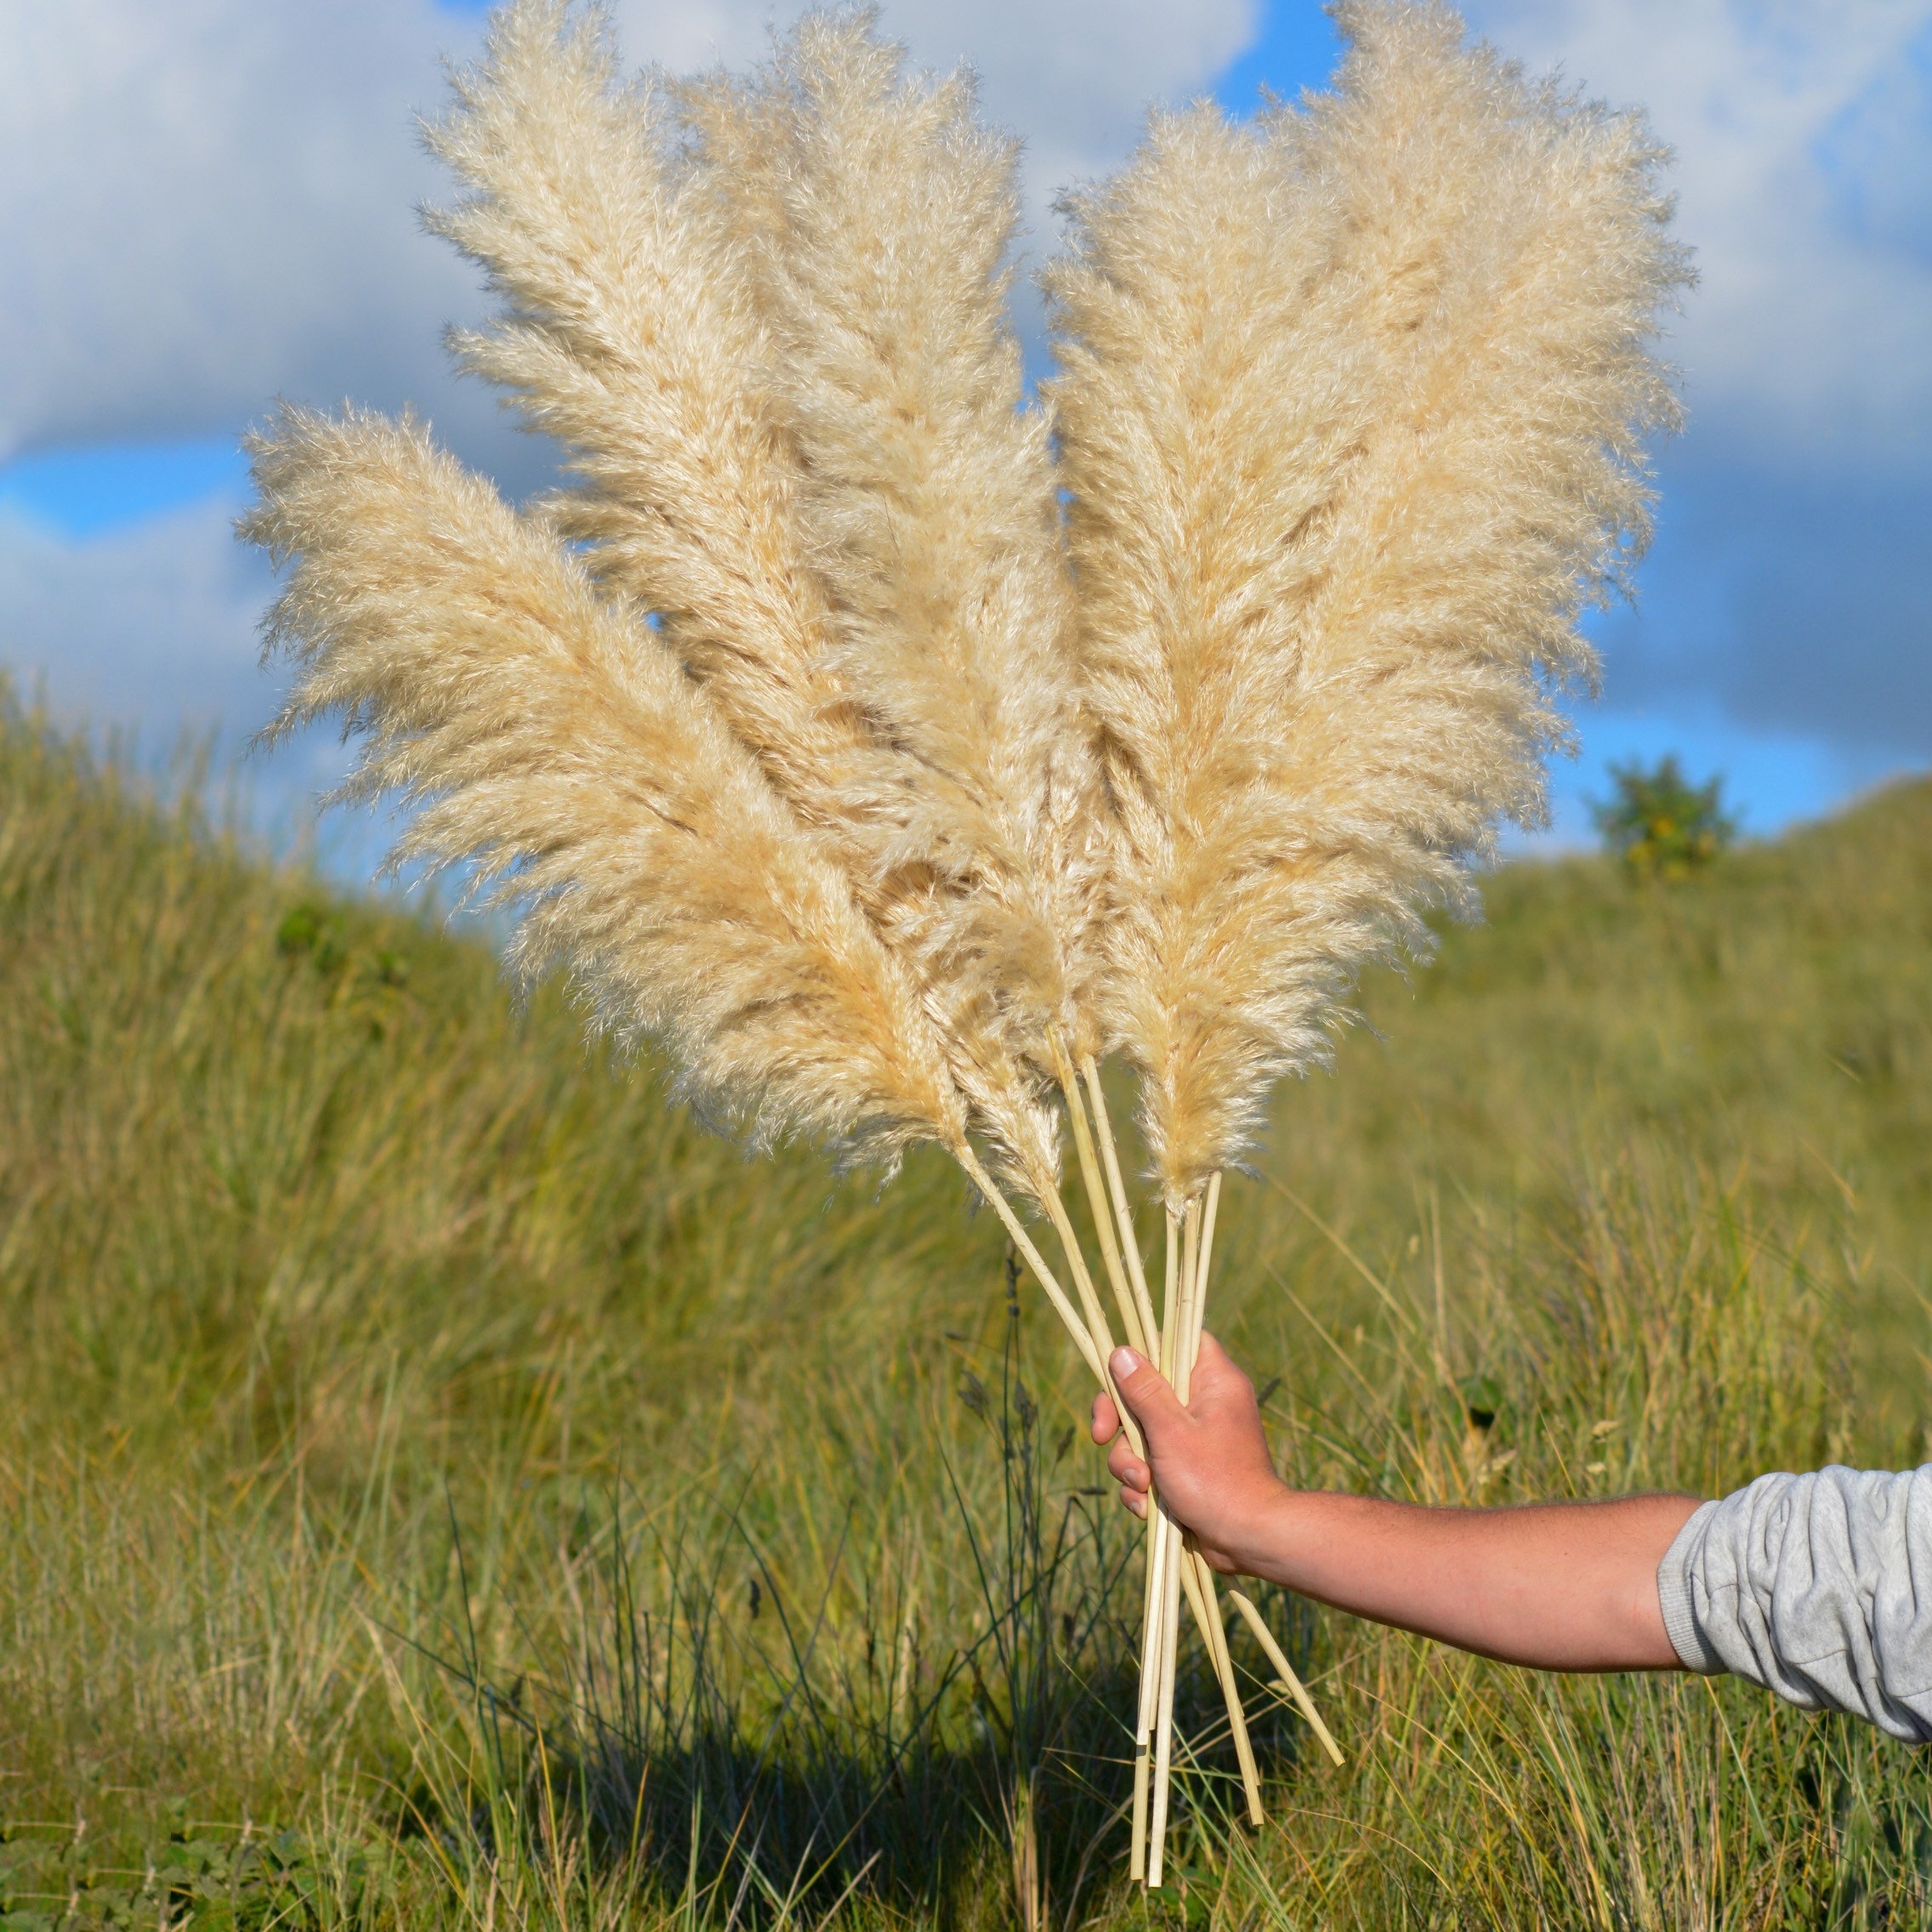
(439, 1486)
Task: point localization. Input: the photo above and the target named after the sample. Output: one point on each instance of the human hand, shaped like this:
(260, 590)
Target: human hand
(1209, 1458)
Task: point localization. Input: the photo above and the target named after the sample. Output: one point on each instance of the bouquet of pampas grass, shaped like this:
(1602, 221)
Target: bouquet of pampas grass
(893, 748)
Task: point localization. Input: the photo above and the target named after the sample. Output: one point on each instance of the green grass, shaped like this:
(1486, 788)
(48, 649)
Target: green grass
(439, 1486)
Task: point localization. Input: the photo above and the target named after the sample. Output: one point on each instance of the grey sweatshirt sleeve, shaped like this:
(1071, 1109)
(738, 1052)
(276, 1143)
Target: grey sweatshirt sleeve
(1817, 1587)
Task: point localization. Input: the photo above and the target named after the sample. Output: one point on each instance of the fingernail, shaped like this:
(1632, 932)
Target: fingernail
(1124, 1363)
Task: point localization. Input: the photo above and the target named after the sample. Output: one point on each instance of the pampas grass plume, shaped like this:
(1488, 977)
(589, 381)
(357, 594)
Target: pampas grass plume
(876, 213)
(551, 742)
(1351, 403)
(629, 333)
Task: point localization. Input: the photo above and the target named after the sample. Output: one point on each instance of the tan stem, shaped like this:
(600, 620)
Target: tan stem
(1143, 1721)
(1097, 1329)
(1179, 1298)
(1164, 1722)
(1153, 1643)
(1096, 1319)
(1170, 1563)
(1189, 1322)
(1123, 1213)
(1101, 1209)
(1022, 1241)
(1217, 1635)
(1291, 1683)
(1170, 1299)
(1210, 1216)
(1181, 1341)
(1296, 1690)
(1201, 1594)
(1158, 1525)
(1090, 1336)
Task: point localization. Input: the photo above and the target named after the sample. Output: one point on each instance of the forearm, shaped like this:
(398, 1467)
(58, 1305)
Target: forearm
(1567, 1586)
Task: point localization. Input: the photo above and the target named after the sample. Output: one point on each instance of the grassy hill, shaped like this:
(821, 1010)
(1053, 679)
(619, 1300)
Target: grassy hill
(438, 1485)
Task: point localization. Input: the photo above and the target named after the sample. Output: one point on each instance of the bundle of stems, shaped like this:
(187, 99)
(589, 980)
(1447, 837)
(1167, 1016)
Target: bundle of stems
(891, 748)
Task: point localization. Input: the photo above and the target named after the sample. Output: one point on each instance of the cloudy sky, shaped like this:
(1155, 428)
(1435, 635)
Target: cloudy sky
(207, 203)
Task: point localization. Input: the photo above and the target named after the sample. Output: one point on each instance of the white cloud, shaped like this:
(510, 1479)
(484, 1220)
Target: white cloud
(149, 633)
(1811, 334)
(1786, 594)
(154, 622)
(206, 203)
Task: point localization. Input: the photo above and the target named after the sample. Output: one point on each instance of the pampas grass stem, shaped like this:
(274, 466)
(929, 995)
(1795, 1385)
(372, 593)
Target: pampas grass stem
(1186, 1300)
(1199, 1578)
(1170, 1296)
(1168, 1636)
(1097, 1329)
(1210, 1609)
(1096, 1316)
(1070, 1316)
(1210, 1215)
(1291, 1683)
(1101, 1208)
(1186, 1314)
(1124, 1212)
(1197, 1237)
(1143, 1721)
(1173, 1342)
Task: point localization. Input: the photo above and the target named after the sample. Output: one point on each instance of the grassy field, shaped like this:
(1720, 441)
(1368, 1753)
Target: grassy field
(439, 1486)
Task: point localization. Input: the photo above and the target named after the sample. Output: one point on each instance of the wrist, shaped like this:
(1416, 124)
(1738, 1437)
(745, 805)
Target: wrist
(1250, 1526)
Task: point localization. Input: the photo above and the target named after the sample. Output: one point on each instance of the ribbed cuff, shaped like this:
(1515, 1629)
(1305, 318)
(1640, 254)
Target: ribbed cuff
(1673, 1598)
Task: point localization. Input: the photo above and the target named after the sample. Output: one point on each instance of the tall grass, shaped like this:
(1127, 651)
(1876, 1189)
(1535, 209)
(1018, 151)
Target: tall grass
(439, 1486)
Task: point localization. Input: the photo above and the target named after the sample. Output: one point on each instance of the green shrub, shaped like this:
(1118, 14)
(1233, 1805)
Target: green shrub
(1660, 824)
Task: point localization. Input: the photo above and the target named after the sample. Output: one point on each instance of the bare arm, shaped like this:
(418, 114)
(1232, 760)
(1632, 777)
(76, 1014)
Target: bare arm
(1560, 1586)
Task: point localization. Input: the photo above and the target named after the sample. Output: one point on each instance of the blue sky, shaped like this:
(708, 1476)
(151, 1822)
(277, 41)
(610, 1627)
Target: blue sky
(215, 208)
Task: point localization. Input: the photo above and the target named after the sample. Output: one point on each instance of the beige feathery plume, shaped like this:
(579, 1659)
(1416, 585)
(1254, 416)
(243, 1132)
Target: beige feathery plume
(554, 743)
(633, 332)
(1351, 410)
(880, 211)
(630, 334)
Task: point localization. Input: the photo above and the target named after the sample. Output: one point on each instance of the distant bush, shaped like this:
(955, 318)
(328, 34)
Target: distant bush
(1662, 826)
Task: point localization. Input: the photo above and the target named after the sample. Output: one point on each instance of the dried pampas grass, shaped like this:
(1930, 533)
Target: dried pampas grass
(876, 215)
(1350, 407)
(552, 743)
(1351, 404)
(892, 749)
(748, 427)
(629, 333)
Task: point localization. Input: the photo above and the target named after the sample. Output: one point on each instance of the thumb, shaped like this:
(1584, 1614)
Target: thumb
(1145, 1391)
